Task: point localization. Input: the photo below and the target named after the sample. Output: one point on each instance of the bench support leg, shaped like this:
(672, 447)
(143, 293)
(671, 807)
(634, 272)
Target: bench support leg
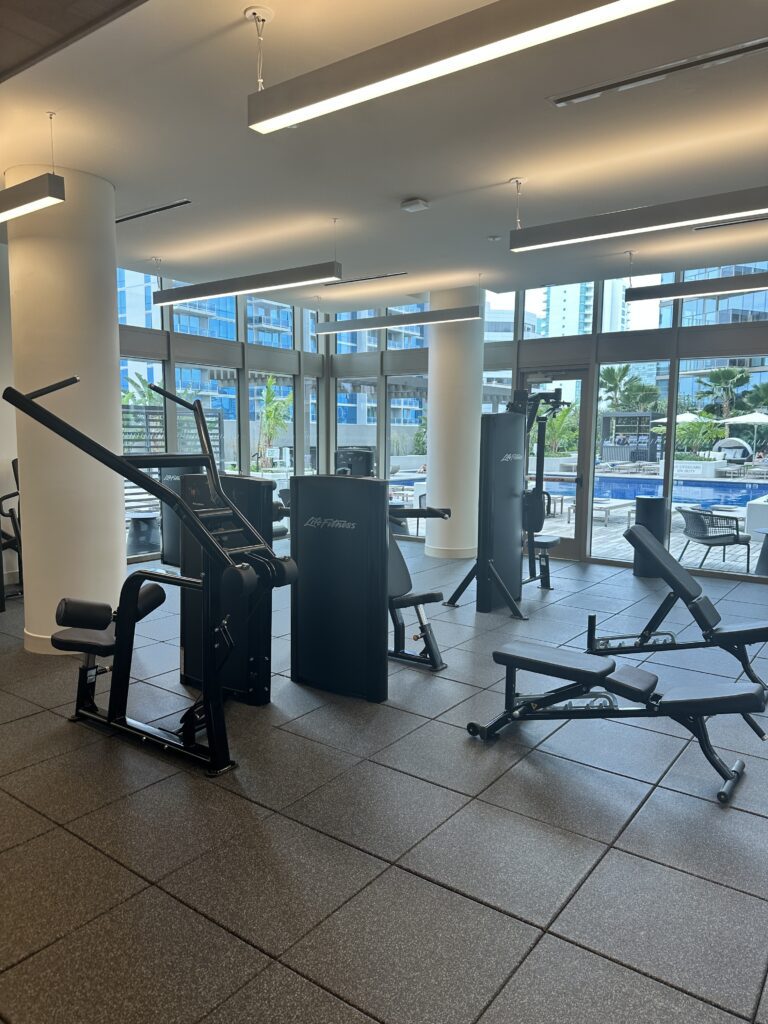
(453, 600)
(430, 657)
(486, 732)
(731, 776)
(510, 602)
(86, 686)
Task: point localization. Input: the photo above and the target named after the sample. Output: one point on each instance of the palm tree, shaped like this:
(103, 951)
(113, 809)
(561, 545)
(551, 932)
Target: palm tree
(720, 387)
(275, 416)
(613, 382)
(639, 397)
(756, 399)
(139, 392)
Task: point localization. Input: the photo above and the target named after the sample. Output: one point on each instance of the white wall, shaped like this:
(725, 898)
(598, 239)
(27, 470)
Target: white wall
(7, 414)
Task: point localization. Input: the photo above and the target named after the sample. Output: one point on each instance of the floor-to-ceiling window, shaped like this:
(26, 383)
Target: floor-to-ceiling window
(407, 442)
(268, 323)
(271, 418)
(143, 416)
(407, 337)
(643, 315)
(499, 316)
(357, 341)
(208, 318)
(559, 310)
(310, 426)
(746, 307)
(134, 299)
(356, 414)
(216, 387)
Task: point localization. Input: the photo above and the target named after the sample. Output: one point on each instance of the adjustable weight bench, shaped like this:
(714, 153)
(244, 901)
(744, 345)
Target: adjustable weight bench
(401, 596)
(598, 685)
(733, 638)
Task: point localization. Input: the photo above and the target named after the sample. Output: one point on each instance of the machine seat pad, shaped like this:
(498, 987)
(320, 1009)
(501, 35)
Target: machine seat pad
(747, 633)
(100, 642)
(545, 540)
(705, 698)
(411, 600)
(634, 684)
(587, 669)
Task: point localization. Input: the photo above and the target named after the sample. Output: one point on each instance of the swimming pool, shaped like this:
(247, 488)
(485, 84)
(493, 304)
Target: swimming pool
(684, 492)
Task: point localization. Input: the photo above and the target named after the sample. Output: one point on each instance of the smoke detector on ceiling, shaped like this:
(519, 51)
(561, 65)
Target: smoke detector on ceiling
(414, 205)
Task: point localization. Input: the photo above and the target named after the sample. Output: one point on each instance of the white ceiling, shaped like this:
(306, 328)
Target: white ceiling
(156, 102)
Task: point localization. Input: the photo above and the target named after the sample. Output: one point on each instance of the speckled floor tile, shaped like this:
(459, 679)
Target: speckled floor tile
(516, 864)
(692, 774)
(710, 941)
(150, 959)
(73, 784)
(425, 693)
(476, 669)
(543, 991)
(381, 811)
(275, 767)
(450, 757)
(571, 795)
(409, 952)
(155, 660)
(19, 823)
(52, 885)
(273, 881)
(39, 737)
(12, 707)
(355, 726)
(715, 842)
(733, 733)
(158, 829)
(638, 753)
(280, 996)
(485, 706)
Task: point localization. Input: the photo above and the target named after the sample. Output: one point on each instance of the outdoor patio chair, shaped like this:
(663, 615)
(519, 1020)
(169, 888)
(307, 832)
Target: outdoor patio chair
(712, 530)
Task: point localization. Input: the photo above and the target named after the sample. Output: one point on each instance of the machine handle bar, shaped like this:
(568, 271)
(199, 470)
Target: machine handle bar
(172, 398)
(53, 387)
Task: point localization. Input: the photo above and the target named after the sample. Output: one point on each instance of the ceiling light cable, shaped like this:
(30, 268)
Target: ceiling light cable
(51, 114)
(631, 254)
(518, 186)
(259, 22)
(156, 261)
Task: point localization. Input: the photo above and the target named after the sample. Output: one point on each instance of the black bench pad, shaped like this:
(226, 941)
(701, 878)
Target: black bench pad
(545, 540)
(411, 600)
(748, 633)
(634, 684)
(587, 669)
(705, 698)
(100, 642)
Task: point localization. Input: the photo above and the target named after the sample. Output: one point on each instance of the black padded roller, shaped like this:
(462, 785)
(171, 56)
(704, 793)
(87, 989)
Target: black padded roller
(73, 612)
(151, 596)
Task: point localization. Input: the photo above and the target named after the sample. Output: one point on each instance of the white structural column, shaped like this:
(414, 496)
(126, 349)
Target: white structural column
(64, 323)
(455, 388)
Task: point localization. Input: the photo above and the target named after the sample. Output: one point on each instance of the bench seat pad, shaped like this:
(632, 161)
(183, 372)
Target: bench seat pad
(545, 540)
(738, 633)
(706, 698)
(587, 669)
(100, 642)
(411, 600)
(634, 684)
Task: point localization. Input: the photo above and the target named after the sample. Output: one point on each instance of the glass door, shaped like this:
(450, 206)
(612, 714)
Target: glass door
(564, 459)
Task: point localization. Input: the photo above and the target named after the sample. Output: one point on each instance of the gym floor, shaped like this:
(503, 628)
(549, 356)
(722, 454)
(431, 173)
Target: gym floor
(372, 862)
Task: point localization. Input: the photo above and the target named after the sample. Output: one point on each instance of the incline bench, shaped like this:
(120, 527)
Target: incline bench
(733, 638)
(599, 681)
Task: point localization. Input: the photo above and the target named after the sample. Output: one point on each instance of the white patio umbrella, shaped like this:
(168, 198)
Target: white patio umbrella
(749, 419)
(684, 417)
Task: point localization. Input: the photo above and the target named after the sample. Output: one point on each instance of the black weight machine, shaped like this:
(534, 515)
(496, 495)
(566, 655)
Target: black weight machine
(238, 568)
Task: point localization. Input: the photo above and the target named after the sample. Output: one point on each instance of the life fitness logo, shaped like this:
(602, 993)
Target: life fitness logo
(319, 523)
(511, 457)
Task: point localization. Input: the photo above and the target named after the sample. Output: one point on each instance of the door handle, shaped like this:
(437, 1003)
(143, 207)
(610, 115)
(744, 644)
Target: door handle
(579, 481)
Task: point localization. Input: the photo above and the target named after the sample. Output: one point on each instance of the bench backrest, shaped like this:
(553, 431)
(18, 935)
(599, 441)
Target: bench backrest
(399, 578)
(666, 567)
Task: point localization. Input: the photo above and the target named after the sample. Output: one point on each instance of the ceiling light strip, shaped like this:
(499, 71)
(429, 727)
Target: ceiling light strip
(273, 281)
(32, 195)
(642, 220)
(737, 285)
(488, 33)
(382, 323)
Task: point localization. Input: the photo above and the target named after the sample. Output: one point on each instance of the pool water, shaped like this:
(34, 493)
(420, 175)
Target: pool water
(684, 492)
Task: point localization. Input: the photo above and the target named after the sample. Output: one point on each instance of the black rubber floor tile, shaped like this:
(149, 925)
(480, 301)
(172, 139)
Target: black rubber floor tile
(482, 848)
(19, 823)
(562, 984)
(149, 959)
(477, 669)
(280, 996)
(158, 829)
(410, 952)
(274, 767)
(155, 660)
(545, 627)
(76, 783)
(425, 693)
(54, 687)
(450, 757)
(381, 811)
(715, 842)
(591, 600)
(12, 707)
(486, 705)
(691, 773)
(638, 753)
(762, 1013)
(712, 660)
(147, 703)
(708, 940)
(52, 885)
(166, 628)
(570, 795)
(38, 737)
(288, 700)
(9, 644)
(273, 881)
(356, 726)
(733, 733)
(16, 666)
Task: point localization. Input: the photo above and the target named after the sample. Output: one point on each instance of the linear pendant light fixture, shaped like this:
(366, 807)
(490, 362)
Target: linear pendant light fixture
(496, 30)
(273, 281)
(381, 323)
(32, 195)
(696, 289)
(642, 220)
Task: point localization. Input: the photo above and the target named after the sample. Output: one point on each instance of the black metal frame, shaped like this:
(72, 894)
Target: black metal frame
(261, 568)
(551, 706)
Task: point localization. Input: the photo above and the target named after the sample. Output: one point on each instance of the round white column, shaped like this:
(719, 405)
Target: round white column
(63, 323)
(455, 389)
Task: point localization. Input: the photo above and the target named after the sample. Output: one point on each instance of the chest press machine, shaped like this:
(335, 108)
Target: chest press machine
(238, 568)
(603, 691)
